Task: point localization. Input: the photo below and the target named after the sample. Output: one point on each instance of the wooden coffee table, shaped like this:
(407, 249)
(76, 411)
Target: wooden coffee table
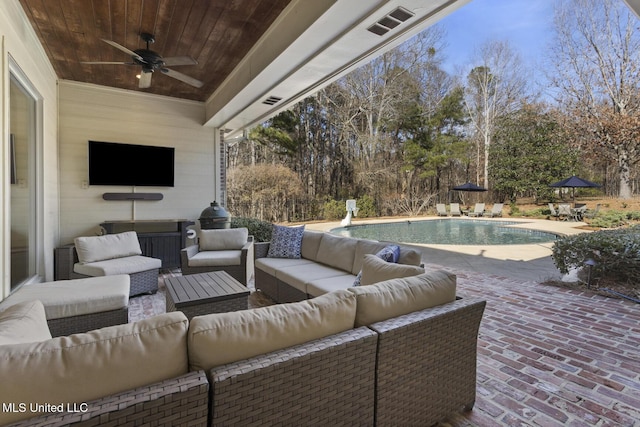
(205, 293)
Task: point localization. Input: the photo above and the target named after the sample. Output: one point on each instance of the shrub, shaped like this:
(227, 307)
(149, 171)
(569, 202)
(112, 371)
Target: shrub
(366, 207)
(334, 209)
(616, 253)
(610, 219)
(260, 230)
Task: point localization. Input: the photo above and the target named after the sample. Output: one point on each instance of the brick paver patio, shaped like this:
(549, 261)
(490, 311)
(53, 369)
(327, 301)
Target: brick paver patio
(551, 356)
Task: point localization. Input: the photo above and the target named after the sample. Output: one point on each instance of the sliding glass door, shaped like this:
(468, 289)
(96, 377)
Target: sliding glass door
(22, 143)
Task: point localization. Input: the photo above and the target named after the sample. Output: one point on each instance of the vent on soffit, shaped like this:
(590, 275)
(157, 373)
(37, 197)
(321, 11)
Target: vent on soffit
(272, 100)
(390, 21)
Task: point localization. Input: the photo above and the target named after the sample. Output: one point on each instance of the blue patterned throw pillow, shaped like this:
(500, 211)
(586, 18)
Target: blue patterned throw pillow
(390, 253)
(286, 242)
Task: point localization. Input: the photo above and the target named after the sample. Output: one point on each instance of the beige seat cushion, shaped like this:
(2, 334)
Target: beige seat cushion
(215, 258)
(109, 246)
(23, 322)
(299, 275)
(217, 339)
(319, 287)
(396, 297)
(126, 265)
(223, 239)
(67, 298)
(375, 269)
(271, 265)
(83, 367)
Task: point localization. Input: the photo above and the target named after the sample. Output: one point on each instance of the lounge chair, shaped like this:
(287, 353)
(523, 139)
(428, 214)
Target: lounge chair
(454, 208)
(441, 209)
(592, 213)
(564, 211)
(478, 210)
(496, 210)
(554, 212)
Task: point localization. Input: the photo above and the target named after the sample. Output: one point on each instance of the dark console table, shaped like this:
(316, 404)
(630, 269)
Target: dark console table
(162, 238)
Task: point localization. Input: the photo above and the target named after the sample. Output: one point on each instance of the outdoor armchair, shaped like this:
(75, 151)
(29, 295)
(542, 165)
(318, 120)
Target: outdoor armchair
(220, 250)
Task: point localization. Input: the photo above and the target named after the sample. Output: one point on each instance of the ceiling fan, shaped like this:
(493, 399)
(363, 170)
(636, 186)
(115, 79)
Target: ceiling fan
(151, 61)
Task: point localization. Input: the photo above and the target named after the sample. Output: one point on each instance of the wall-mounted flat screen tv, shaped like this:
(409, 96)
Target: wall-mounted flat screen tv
(112, 163)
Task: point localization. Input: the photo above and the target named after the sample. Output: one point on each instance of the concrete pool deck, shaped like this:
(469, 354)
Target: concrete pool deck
(525, 262)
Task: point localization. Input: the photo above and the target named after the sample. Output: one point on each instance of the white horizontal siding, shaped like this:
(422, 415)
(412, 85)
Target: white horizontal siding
(89, 112)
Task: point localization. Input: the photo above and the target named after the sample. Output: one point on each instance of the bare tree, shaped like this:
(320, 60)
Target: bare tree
(596, 67)
(496, 86)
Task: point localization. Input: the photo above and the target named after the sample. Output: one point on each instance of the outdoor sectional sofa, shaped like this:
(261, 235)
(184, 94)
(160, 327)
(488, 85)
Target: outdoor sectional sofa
(323, 262)
(399, 352)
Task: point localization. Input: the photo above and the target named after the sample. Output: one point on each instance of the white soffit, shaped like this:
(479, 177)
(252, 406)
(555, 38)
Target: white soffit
(329, 45)
(634, 5)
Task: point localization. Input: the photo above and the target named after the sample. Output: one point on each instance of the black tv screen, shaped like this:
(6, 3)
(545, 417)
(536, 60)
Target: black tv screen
(113, 163)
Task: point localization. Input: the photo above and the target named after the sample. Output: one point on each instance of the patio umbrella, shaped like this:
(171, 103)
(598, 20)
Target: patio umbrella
(574, 182)
(469, 186)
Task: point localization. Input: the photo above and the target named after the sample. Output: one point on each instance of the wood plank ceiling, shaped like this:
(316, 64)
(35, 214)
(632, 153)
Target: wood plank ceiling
(216, 33)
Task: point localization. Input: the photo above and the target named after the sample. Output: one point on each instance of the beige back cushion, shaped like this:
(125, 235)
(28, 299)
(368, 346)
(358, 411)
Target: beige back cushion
(88, 366)
(310, 244)
(223, 239)
(365, 247)
(109, 246)
(396, 297)
(217, 339)
(23, 322)
(375, 269)
(409, 256)
(336, 251)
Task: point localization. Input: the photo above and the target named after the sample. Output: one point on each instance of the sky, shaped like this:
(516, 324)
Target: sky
(526, 24)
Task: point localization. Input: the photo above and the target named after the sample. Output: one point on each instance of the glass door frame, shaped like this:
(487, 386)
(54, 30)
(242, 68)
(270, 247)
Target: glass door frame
(35, 175)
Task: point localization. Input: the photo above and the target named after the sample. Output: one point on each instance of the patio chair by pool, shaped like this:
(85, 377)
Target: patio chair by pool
(496, 210)
(478, 210)
(441, 209)
(564, 211)
(455, 209)
(554, 212)
(592, 213)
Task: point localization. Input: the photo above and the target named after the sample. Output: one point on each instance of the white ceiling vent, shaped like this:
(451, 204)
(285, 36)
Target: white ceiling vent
(390, 21)
(272, 100)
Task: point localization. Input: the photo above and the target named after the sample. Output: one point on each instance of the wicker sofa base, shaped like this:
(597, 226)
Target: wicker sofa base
(181, 401)
(278, 290)
(426, 366)
(87, 322)
(326, 382)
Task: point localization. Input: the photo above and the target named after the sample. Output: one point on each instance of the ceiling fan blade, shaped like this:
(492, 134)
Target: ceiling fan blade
(179, 60)
(124, 49)
(182, 77)
(106, 63)
(145, 80)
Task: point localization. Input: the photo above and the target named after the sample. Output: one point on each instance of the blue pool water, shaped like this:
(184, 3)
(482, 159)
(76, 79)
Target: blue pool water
(448, 232)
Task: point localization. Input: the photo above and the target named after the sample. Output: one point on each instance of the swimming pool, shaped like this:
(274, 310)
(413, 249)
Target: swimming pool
(448, 232)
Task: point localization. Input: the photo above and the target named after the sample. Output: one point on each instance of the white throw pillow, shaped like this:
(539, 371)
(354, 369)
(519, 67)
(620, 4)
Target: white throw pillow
(23, 322)
(376, 270)
(397, 297)
(110, 246)
(225, 239)
(217, 339)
